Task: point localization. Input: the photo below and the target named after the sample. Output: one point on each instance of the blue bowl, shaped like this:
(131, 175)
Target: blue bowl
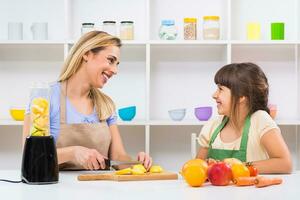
(127, 113)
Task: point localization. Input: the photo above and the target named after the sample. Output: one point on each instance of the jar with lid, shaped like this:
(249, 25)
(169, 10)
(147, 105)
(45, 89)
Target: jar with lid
(110, 27)
(167, 30)
(190, 28)
(87, 27)
(126, 30)
(39, 109)
(211, 28)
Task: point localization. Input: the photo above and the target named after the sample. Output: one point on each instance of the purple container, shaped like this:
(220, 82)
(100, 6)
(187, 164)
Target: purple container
(203, 113)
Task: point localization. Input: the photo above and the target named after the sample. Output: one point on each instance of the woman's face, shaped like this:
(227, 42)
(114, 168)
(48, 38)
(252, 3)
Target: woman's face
(102, 65)
(223, 99)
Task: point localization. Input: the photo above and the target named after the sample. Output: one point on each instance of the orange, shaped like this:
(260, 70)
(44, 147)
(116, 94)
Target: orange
(195, 176)
(195, 162)
(239, 170)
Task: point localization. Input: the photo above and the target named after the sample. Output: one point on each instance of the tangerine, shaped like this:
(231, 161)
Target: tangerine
(239, 170)
(195, 175)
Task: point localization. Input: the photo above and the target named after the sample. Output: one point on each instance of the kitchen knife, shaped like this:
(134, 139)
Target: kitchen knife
(117, 164)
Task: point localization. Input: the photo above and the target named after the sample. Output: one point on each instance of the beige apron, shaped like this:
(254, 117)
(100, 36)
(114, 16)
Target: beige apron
(91, 135)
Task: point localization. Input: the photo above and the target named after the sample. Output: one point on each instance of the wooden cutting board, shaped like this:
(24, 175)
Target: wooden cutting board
(114, 177)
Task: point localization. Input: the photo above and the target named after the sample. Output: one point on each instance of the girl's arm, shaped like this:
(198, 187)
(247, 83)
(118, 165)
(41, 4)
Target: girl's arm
(202, 153)
(279, 156)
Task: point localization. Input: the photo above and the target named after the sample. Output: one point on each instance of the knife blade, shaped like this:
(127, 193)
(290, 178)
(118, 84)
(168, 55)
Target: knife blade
(117, 164)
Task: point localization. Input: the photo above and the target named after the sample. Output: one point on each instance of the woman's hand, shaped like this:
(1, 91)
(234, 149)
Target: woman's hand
(90, 159)
(145, 159)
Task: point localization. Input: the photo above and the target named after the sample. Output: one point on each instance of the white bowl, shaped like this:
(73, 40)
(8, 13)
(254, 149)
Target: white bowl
(177, 114)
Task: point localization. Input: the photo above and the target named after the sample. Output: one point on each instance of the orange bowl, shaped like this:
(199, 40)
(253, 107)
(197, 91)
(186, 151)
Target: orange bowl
(17, 113)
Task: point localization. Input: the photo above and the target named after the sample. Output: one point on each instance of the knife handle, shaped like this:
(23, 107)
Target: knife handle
(107, 164)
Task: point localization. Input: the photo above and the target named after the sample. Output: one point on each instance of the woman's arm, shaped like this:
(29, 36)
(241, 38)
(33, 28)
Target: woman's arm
(279, 156)
(117, 150)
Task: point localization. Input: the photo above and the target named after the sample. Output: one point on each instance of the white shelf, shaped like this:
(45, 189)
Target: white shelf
(176, 123)
(132, 123)
(17, 42)
(188, 42)
(264, 42)
(10, 122)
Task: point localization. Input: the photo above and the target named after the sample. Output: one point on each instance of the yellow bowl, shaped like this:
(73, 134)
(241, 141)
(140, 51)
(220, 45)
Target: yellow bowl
(17, 114)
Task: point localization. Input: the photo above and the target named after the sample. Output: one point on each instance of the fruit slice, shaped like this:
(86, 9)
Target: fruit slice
(156, 169)
(139, 167)
(138, 171)
(126, 171)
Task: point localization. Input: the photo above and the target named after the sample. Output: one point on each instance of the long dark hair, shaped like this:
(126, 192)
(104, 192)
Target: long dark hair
(244, 79)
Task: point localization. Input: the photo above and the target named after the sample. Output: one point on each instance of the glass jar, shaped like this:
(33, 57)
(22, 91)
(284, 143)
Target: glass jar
(167, 30)
(126, 30)
(39, 109)
(211, 28)
(190, 28)
(110, 27)
(87, 27)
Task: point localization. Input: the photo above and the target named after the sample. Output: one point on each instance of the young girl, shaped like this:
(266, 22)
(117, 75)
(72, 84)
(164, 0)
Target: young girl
(245, 129)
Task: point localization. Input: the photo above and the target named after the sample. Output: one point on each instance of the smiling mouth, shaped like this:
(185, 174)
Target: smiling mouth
(106, 76)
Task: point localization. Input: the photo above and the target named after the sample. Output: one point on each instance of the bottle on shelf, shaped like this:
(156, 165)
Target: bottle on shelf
(126, 30)
(110, 27)
(87, 27)
(190, 28)
(167, 30)
(211, 28)
(253, 31)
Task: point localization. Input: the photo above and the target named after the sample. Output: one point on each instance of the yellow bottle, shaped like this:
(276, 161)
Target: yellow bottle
(253, 31)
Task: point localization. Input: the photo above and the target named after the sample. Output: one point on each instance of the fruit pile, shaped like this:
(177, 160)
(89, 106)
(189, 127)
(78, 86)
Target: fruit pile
(39, 117)
(139, 170)
(221, 173)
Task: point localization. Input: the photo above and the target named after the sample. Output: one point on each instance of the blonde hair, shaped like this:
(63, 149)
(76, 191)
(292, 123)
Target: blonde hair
(93, 41)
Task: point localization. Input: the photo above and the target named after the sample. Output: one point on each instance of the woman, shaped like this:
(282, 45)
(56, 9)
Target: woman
(245, 130)
(82, 119)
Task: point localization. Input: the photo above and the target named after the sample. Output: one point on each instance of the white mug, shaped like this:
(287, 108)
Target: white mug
(39, 30)
(15, 31)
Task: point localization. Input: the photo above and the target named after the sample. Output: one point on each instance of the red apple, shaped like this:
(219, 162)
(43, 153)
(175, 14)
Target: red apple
(219, 174)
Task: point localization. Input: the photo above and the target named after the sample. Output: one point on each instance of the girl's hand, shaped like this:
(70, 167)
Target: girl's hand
(90, 159)
(145, 159)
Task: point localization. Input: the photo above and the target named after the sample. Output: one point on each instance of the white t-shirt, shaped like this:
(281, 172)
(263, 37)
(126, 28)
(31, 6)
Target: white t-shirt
(261, 123)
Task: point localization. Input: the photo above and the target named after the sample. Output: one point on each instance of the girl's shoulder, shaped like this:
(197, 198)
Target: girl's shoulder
(261, 122)
(261, 115)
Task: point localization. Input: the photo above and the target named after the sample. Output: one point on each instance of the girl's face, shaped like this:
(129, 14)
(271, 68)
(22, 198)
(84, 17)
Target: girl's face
(100, 67)
(223, 98)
